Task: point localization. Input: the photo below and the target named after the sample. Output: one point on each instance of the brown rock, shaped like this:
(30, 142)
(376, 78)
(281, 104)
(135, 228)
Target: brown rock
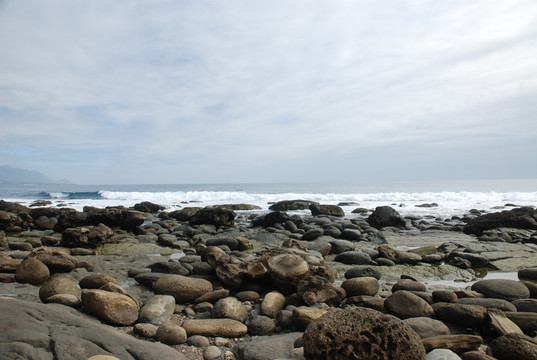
(304, 315)
(32, 271)
(514, 346)
(95, 281)
(426, 327)
(408, 284)
(360, 333)
(455, 343)
(471, 316)
(58, 285)
(114, 308)
(230, 308)
(361, 286)
(171, 334)
(272, 303)
(183, 289)
(405, 304)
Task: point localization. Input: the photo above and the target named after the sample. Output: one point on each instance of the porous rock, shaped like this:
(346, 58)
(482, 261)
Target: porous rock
(361, 333)
(514, 346)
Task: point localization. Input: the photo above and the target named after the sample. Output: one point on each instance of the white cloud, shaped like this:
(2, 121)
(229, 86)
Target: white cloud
(204, 83)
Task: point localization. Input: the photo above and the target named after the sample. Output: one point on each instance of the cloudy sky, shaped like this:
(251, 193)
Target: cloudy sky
(177, 91)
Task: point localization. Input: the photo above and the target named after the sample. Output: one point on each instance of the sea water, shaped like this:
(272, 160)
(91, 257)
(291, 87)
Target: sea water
(451, 197)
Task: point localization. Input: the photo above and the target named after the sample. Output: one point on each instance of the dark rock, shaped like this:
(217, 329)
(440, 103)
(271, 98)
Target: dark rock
(405, 304)
(70, 218)
(340, 246)
(426, 327)
(95, 281)
(410, 285)
(528, 273)
(91, 236)
(331, 210)
(148, 207)
(488, 303)
(472, 316)
(312, 234)
(46, 331)
(351, 234)
(288, 205)
(361, 333)
(261, 325)
(525, 305)
(514, 346)
(169, 267)
(231, 243)
(361, 286)
(353, 258)
(318, 290)
(184, 214)
(213, 215)
(20, 245)
(58, 285)
(267, 220)
(363, 272)
(520, 218)
(384, 216)
(502, 289)
(32, 271)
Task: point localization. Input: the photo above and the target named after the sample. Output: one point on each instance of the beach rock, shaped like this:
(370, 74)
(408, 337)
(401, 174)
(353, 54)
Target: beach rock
(351, 234)
(471, 316)
(312, 234)
(267, 347)
(384, 216)
(32, 271)
(157, 310)
(409, 285)
(526, 321)
(405, 304)
(95, 281)
(58, 285)
(148, 207)
(361, 333)
(272, 303)
(8, 264)
(91, 236)
(303, 315)
(114, 308)
(340, 246)
(502, 289)
(528, 273)
(426, 327)
(361, 286)
(318, 290)
(212, 353)
(230, 308)
(287, 205)
(363, 272)
(519, 218)
(444, 296)
(171, 334)
(169, 267)
(353, 258)
(514, 346)
(261, 325)
(488, 303)
(31, 330)
(57, 262)
(228, 328)
(45, 223)
(183, 289)
(331, 210)
(19, 246)
(476, 355)
(185, 213)
(213, 215)
(267, 220)
(442, 354)
(525, 305)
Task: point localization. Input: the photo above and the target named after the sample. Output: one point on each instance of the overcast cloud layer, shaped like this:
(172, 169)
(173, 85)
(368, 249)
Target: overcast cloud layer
(268, 91)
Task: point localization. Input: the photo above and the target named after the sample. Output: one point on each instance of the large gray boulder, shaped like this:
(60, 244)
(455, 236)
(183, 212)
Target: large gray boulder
(519, 218)
(51, 331)
(384, 216)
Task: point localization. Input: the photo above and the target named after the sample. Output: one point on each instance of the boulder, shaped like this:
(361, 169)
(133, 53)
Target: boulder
(426, 327)
(261, 325)
(361, 333)
(185, 213)
(213, 215)
(148, 207)
(272, 303)
(514, 346)
(502, 289)
(471, 316)
(32, 271)
(288, 205)
(95, 281)
(488, 303)
(157, 310)
(405, 304)
(331, 210)
(230, 308)
(114, 308)
(171, 334)
(363, 272)
(409, 285)
(317, 289)
(304, 315)
(90, 237)
(31, 330)
(267, 220)
(519, 218)
(361, 286)
(384, 216)
(183, 289)
(353, 258)
(58, 285)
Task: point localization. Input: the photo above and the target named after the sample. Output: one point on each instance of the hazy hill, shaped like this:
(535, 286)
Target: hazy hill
(10, 174)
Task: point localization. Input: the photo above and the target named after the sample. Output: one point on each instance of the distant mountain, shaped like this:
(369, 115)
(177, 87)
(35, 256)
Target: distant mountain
(10, 174)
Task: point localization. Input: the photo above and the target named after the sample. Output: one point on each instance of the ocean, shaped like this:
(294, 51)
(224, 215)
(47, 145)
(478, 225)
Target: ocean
(451, 197)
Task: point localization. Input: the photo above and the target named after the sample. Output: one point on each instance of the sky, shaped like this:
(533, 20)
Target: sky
(238, 91)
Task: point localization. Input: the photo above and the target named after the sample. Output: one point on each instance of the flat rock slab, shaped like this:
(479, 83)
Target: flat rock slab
(430, 237)
(51, 331)
(267, 347)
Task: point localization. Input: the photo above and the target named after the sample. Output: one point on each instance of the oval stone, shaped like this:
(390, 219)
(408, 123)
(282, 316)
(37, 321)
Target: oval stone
(183, 289)
(502, 289)
(405, 304)
(228, 328)
(361, 286)
(157, 310)
(114, 308)
(32, 271)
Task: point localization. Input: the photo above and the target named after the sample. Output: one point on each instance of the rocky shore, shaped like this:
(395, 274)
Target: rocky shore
(227, 282)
